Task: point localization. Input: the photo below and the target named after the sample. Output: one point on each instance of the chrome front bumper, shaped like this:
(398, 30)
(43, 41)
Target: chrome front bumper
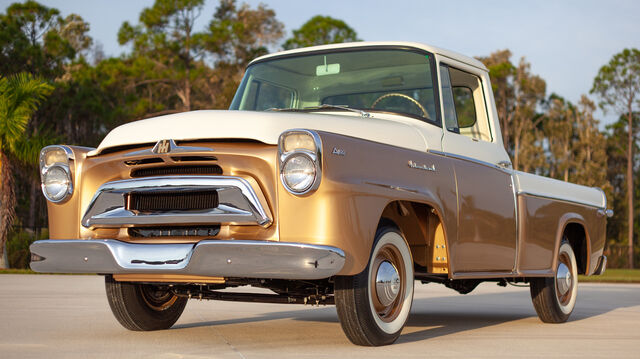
(219, 258)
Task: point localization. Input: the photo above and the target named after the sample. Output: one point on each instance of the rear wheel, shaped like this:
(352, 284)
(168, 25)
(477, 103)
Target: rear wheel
(374, 305)
(143, 307)
(555, 297)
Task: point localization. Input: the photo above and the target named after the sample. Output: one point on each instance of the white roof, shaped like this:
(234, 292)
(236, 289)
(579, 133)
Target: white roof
(432, 49)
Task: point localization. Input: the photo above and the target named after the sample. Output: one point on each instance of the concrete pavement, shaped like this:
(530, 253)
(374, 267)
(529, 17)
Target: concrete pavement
(68, 317)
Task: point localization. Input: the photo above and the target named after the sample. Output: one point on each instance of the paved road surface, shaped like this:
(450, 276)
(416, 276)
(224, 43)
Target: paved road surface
(68, 317)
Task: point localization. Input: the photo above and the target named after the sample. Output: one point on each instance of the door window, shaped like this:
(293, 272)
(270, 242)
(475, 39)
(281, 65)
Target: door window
(463, 104)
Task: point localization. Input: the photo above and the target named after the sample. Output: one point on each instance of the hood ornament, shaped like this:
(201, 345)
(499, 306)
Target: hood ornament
(168, 146)
(164, 146)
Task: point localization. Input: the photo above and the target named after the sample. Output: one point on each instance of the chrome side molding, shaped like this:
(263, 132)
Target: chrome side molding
(238, 203)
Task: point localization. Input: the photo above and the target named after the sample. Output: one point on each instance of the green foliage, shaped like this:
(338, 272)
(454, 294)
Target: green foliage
(19, 99)
(320, 30)
(614, 276)
(618, 86)
(18, 247)
(518, 93)
(36, 39)
(618, 82)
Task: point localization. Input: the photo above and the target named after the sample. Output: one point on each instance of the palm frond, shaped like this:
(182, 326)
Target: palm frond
(20, 96)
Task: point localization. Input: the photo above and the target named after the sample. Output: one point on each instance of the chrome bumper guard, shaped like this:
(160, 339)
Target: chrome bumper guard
(219, 258)
(238, 203)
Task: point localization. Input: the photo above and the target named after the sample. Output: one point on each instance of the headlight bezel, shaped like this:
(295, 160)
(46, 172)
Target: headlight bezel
(65, 162)
(314, 154)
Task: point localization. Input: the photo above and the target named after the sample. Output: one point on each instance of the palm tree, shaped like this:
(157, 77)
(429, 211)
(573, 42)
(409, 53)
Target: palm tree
(19, 98)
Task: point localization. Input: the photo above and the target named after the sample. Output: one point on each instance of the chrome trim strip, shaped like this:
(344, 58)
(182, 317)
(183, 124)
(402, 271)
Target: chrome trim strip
(469, 159)
(223, 258)
(239, 203)
(525, 193)
(397, 188)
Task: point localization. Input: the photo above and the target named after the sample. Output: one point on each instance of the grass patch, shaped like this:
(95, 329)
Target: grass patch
(614, 276)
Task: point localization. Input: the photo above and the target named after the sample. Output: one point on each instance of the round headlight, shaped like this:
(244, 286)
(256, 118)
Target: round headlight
(299, 172)
(56, 183)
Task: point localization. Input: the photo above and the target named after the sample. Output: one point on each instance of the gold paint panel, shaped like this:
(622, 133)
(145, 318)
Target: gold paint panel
(255, 162)
(542, 224)
(439, 256)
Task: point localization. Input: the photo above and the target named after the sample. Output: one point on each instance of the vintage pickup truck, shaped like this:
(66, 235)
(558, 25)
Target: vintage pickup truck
(341, 174)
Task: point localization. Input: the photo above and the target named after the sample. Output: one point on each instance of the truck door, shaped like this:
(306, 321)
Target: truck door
(486, 201)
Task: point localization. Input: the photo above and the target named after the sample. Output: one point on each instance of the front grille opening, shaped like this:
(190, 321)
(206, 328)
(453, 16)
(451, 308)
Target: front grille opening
(143, 161)
(191, 231)
(193, 158)
(213, 170)
(147, 201)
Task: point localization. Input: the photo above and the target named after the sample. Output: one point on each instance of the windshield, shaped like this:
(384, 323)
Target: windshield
(397, 81)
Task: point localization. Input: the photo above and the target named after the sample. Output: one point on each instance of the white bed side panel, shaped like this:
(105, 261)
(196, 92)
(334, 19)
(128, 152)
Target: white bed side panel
(548, 187)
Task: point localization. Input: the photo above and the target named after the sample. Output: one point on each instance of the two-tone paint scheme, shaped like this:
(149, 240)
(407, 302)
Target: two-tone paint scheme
(463, 213)
(365, 182)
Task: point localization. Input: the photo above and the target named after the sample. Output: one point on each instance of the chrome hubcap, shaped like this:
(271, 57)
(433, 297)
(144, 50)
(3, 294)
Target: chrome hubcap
(563, 279)
(387, 283)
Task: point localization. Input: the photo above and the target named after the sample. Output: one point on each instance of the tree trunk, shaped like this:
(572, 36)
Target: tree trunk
(7, 203)
(630, 185)
(33, 204)
(516, 154)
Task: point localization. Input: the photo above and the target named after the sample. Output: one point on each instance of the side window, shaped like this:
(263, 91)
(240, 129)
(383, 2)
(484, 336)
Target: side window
(450, 118)
(465, 107)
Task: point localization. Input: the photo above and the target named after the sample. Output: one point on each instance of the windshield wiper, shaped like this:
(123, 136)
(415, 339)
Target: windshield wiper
(341, 107)
(324, 106)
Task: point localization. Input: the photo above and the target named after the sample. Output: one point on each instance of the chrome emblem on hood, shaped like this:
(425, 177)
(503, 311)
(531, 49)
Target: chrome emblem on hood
(164, 146)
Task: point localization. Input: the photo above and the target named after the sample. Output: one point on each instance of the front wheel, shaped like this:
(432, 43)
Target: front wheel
(143, 307)
(555, 297)
(373, 306)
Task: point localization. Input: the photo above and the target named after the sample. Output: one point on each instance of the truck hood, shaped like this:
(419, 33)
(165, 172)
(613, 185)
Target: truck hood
(265, 127)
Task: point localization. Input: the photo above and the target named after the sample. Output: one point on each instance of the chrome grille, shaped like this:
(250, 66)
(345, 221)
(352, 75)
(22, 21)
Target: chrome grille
(237, 203)
(176, 170)
(151, 232)
(146, 201)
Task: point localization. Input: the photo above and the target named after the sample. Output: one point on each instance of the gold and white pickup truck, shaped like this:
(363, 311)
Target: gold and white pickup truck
(341, 174)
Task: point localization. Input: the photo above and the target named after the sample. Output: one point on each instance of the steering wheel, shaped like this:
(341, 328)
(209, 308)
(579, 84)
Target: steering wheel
(406, 97)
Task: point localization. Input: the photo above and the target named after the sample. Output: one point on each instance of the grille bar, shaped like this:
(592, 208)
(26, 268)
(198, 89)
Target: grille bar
(191, 231)
(145, 201)
(177, 170)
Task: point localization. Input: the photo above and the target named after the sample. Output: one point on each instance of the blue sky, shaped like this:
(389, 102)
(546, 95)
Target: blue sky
(566, 42)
